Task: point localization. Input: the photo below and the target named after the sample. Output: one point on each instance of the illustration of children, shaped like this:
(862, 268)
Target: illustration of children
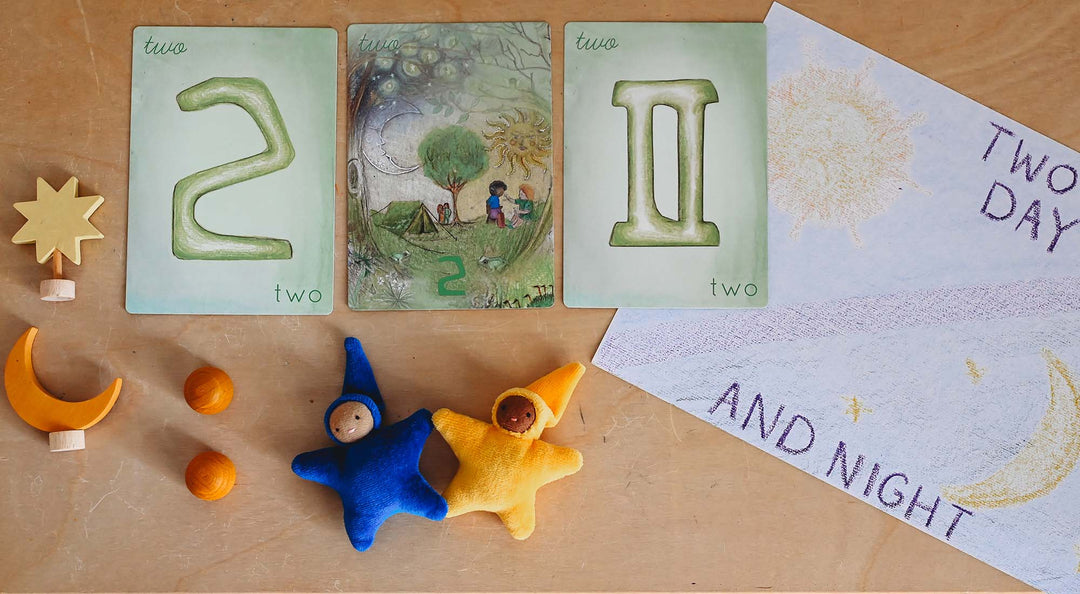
(448, 212)
(440, 210)
(523, 205)
(495, 214)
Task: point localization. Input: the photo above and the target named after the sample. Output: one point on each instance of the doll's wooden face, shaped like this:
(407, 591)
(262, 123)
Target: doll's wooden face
(350, 421)
(516, 414)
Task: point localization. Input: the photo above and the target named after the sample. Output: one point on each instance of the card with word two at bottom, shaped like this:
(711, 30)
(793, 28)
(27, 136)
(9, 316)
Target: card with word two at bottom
(231, 191)
(665, 167)
(449, 166)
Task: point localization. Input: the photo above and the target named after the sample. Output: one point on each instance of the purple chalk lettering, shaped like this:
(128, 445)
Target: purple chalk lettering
(956, 520)
(896, 492)
(781, 443)
(841, 455)
(1031, 216)
(1050, 179)
(915, 503)
(995, 139)
(990, 196)
(870, 482)
(1059, 229)
(733, 390)
(1026, 162)
(759, 404)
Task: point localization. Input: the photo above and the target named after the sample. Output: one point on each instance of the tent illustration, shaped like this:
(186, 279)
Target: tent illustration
(407, 217)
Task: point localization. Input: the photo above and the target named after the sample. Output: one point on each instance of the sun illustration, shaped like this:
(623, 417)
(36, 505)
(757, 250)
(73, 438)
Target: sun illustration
(521, 140)
(839, 150)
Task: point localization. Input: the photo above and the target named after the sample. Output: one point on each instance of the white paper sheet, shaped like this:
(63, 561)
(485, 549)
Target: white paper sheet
(917, 353)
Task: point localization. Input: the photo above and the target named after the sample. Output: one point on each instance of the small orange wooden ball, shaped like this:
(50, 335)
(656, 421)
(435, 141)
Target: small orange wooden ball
(208, 390)
(210, 476)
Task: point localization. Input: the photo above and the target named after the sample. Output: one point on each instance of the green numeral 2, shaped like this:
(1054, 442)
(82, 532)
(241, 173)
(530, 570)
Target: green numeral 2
(190, 240)
(443, 290)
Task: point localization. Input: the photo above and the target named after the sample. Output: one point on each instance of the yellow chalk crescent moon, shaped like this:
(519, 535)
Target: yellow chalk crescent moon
(1044, 461)
(39, 408)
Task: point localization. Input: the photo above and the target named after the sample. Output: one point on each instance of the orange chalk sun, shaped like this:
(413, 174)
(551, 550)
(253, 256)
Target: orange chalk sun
(839, 150)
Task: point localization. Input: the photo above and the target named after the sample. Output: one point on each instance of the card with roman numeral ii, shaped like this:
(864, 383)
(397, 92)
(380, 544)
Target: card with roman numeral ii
(665, 165)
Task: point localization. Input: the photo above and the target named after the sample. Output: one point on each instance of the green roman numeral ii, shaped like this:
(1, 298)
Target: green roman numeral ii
(645, 226)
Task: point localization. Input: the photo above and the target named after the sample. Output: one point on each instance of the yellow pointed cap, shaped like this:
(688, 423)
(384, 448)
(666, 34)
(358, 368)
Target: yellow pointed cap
(557, 387)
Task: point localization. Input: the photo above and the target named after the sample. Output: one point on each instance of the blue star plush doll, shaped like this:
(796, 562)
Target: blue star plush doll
(374, 468)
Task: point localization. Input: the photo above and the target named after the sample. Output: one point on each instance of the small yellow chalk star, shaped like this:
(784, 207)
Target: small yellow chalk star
(974, 371)
(58, 220)
(856, 408)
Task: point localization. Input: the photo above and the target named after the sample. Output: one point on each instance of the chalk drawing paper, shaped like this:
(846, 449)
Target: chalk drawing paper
(921, 349)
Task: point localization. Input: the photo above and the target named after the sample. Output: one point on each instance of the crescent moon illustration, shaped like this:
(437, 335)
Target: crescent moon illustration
(372, 139)
(41, 409)
(1044, 461)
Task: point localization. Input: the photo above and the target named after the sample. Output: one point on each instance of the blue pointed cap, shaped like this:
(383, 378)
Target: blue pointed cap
(359, 378)
(359, 386)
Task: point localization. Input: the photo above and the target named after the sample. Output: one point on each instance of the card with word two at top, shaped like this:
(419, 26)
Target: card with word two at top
(449, 166)
(665, 165)
(231, 190)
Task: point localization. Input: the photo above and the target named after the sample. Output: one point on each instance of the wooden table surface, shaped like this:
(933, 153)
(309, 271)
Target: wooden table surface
(664, 502)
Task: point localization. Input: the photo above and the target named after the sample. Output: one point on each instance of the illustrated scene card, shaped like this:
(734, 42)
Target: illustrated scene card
(231, 196)
(664, 168)
(921, 348)
(450, 166)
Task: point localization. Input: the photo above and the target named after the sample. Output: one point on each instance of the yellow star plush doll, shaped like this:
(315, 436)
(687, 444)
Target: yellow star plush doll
(503, 463)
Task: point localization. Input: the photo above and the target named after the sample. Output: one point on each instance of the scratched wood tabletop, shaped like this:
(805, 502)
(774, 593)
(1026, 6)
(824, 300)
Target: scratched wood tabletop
(664, 502)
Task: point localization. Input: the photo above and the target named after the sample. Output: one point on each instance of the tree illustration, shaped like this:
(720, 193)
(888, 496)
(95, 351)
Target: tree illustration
(452, 157)
(466, 70)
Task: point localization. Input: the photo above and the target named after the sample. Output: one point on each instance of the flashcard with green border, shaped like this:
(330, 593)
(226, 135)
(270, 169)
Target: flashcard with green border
(231, 191)
(665, 165)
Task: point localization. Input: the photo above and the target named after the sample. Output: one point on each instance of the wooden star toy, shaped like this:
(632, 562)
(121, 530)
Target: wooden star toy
(57, 222)
(504, 463)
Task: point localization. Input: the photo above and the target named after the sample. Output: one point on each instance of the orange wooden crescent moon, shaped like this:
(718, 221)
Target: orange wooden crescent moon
(41, 409)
